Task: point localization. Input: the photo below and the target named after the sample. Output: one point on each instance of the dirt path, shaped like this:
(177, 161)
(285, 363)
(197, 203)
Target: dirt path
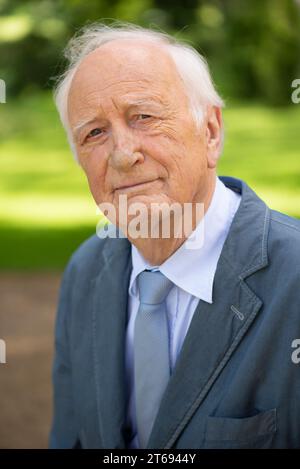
(27, 313)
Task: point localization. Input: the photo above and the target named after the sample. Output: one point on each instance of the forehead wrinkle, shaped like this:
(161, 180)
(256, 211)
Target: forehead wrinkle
(127, 101)
(92, 98)
(95, 80)
(95, 84)
(143, 82)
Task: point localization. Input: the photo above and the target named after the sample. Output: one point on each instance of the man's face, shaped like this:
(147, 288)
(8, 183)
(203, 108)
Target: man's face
(140, 139)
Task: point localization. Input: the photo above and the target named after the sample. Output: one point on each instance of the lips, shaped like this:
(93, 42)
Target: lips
(135, 185)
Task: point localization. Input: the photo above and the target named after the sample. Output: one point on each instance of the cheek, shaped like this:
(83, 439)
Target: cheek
(95, 170)
(165, 150)
(187, 165)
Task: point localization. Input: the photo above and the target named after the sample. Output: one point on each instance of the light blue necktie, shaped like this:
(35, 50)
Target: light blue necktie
(151, 350)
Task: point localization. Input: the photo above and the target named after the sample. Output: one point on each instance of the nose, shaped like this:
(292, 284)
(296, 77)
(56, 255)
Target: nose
(126, 150)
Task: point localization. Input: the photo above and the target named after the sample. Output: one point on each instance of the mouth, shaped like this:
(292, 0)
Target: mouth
(139, 185)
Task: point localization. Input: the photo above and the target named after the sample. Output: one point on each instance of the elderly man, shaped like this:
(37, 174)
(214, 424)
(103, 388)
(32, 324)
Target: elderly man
(162, 343)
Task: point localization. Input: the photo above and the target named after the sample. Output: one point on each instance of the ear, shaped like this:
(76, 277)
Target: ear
(214, 127)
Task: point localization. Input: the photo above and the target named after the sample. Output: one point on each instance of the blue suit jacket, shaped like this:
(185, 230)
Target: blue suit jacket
(235, 384)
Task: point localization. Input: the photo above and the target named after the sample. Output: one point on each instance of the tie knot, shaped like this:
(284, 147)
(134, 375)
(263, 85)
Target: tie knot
(153, 287)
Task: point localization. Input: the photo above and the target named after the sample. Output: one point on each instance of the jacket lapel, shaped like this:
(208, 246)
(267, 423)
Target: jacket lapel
(110, 290)
(216, 329)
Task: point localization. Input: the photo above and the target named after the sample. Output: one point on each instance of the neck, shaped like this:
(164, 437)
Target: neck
(157, 250)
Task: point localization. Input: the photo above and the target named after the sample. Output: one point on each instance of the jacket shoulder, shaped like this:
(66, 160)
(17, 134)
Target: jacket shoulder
(290, 223)
(284, 236)
(86, 251)
(85, 260)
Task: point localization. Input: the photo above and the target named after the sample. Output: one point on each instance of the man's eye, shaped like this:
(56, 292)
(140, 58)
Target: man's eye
(94, 133)
(143, 116)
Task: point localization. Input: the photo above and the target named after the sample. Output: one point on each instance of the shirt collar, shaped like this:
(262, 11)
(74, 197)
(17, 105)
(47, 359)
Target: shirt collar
(193, 269)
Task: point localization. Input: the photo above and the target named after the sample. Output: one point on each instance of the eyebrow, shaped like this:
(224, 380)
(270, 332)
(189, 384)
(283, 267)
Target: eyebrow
(147, 100)
(85, 122)
(81, 124)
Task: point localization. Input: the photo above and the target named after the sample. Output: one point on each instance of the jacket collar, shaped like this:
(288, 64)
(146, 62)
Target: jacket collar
(225, 322)
(248, 234)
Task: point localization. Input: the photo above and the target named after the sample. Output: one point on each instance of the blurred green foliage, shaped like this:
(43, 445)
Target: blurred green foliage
(252, 46)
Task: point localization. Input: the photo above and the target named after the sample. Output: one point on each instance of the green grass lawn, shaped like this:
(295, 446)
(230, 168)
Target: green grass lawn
(46, 209)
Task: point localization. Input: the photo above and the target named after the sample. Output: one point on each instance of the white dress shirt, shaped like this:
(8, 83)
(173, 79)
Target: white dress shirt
(192, 272)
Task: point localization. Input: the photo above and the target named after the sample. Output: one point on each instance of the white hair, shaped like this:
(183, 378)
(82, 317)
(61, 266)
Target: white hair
(191, 66)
